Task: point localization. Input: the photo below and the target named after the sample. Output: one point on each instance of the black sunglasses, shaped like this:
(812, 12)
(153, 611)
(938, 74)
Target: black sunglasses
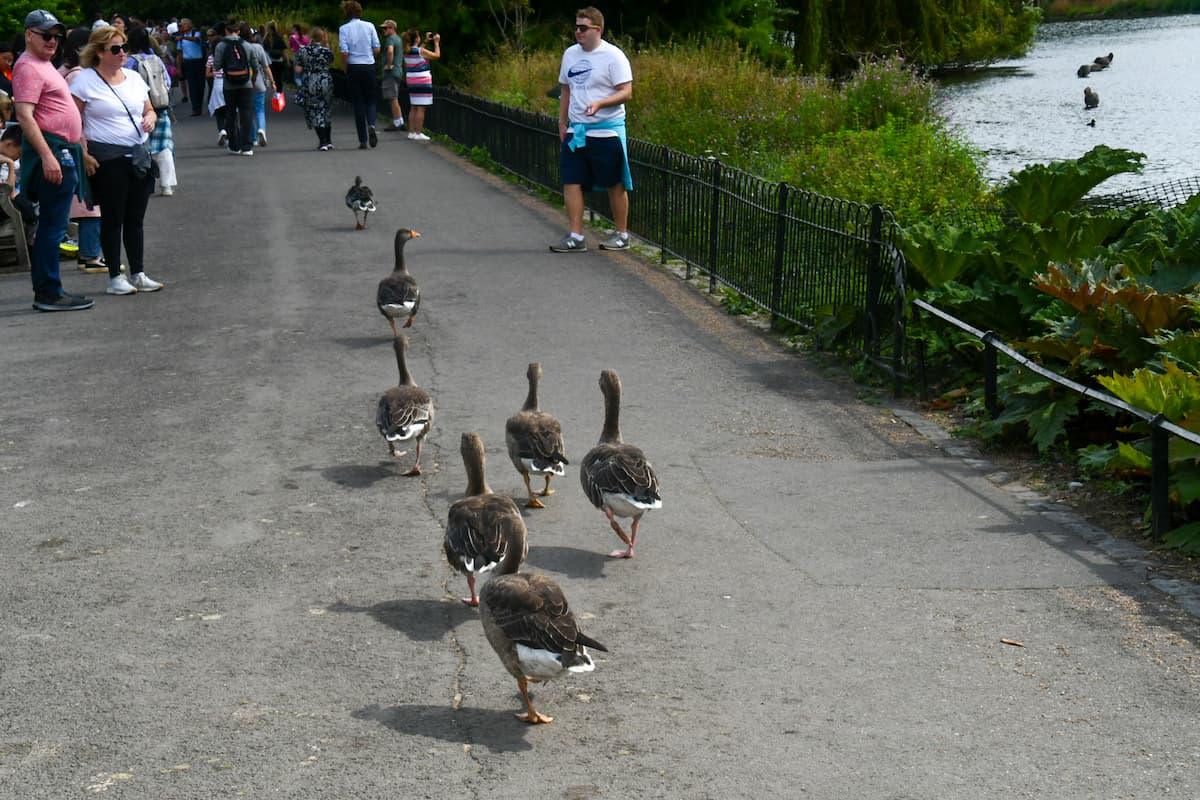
(49, 37)
(584, 28)
(117, 49)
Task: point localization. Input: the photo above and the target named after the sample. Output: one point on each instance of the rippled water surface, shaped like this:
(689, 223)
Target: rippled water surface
(1030, 110)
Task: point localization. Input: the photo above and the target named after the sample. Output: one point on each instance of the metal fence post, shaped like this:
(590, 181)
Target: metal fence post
(780, 246)
(874, 276)
(1160, 486)
(989, 375)
(714, 227)
(665, 202)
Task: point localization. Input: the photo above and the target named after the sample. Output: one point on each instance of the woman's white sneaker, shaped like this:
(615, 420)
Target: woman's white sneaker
(120, 285)
(144, 283)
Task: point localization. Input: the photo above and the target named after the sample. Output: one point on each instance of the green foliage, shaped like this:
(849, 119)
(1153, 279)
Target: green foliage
(713, 98)
(12, 15)
(1039, 192)
(736, 303)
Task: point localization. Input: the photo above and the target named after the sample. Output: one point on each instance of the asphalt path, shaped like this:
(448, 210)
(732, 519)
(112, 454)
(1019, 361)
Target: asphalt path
(215, 583)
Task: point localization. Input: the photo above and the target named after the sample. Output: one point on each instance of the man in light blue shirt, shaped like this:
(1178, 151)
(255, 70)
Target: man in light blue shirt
(359, 44)
(189, 49)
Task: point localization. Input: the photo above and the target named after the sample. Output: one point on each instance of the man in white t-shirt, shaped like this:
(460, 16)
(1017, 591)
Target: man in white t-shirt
(596, 82)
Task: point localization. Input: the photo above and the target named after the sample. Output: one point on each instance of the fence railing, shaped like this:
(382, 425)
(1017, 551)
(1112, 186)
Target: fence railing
(798, 255)
(1160, 500)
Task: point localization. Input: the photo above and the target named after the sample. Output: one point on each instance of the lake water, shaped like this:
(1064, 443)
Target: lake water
(1030, 110)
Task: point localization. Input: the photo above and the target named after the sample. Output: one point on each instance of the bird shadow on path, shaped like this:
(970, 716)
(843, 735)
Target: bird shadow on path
(498, 731)
(419, 618)
(364, 342)
(356, 476)
(573, 562)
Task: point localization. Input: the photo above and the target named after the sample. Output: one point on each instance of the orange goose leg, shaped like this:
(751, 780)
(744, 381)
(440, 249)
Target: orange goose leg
(531, 715)
(416, 468)
(547, 491)
(473, 600)
(392, 322)
(533, 501)
(616, 526)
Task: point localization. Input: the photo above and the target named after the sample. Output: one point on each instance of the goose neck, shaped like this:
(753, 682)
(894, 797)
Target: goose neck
(531, 399)
(611, 434)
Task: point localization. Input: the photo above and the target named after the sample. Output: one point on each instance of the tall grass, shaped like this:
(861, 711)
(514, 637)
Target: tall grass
(873, 138)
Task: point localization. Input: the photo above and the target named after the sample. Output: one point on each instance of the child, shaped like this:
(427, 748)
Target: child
(6, 109)
(10, 153)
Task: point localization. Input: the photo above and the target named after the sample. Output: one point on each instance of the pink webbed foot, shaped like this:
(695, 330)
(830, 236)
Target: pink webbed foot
(626, 553)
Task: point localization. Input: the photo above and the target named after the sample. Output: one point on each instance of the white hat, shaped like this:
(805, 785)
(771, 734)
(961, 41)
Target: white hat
(172, 27)
(98, 24)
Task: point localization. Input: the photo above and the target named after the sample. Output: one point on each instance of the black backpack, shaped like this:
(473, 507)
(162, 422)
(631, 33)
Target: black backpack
(235, 64)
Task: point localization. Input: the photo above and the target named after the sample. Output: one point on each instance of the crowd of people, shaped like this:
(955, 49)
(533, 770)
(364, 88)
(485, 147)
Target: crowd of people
(93, 135)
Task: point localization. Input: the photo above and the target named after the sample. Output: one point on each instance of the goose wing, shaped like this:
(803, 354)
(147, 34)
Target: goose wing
(403, 412)
(621, 470)
(398, 291)
(532, 610)
(536, 437)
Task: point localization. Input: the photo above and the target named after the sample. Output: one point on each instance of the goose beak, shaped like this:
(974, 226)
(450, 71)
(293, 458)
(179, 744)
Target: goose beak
(416, 234)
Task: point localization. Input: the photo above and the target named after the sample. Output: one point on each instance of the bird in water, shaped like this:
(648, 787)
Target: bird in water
(1101, 62)
(1091, 122)
(535, 440)
(405, 411)
(484, 531)
(1083, 71)
(360, 200)
(398, 294)
(616, 476)
(1090, 98)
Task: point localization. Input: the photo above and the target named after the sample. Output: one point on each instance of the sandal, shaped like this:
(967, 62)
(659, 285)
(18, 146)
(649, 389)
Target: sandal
(93, 266)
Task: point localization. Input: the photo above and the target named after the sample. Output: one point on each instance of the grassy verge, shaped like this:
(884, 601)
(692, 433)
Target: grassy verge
(873, 138)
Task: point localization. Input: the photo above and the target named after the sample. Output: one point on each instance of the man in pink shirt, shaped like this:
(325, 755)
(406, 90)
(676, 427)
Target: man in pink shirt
(52, 158)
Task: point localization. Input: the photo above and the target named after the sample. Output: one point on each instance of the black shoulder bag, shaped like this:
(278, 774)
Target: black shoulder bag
(143, 164)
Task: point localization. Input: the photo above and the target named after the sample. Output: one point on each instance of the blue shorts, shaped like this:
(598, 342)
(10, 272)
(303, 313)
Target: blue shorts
(599, 164)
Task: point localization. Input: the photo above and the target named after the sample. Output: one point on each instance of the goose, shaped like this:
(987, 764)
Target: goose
(1090, 98)
(616, 477)
(484, 531)
(1101, 62)
(530, 626)
(405, 411)
(360, 200)
(1083, 71)
(398, 294)
(535, 441)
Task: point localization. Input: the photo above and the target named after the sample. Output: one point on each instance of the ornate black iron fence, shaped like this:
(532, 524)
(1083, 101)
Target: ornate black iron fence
(800, 256)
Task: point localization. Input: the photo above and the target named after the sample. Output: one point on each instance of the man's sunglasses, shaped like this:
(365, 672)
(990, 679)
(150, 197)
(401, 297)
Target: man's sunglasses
(584, 28)
(49, 37)
(117, 49)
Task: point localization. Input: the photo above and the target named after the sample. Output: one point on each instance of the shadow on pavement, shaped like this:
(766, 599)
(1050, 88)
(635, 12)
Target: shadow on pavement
(360, 476)
(363, 342)
(573, 562)
(498, 731)
(420, 619)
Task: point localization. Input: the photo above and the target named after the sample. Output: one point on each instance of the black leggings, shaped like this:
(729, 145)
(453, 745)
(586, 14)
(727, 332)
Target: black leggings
(122, 197)
(361, 78)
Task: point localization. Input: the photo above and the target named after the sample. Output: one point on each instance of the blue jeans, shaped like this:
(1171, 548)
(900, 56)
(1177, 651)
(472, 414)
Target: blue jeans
(260, 110)
(89, 238)
(54, 209)
(361, 78)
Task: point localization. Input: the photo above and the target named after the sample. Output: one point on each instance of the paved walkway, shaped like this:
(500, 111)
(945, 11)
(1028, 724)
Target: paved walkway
(214, 583)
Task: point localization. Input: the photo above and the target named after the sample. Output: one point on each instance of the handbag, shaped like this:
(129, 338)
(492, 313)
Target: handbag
(278, 102)
(139, 154)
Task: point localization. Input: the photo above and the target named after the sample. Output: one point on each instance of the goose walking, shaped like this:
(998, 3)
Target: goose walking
(616, 476)
(405, 411)
(360, 200)
(484, 531)
(398, 294)
(535, 441)
(530, 626)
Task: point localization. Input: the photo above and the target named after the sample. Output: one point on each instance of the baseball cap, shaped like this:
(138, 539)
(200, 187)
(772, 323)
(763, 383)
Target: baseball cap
(388, 23)
(41, 20)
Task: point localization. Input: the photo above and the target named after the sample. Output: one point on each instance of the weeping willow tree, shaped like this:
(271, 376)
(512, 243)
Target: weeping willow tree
(835, 35)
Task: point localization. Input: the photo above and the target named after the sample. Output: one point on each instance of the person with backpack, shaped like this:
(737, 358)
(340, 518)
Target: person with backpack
(145, 62)
(232, 58)
(264, 81)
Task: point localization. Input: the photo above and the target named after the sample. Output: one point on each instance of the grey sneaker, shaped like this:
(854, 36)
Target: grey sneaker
(569, 244)
(618, 241)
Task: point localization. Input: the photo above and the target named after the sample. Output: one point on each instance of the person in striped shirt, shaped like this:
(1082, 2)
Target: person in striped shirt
(419, 79)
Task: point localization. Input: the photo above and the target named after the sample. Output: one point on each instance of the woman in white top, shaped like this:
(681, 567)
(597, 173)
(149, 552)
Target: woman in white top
(117, 118)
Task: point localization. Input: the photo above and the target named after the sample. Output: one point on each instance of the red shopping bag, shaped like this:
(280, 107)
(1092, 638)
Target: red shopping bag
(278, 102)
